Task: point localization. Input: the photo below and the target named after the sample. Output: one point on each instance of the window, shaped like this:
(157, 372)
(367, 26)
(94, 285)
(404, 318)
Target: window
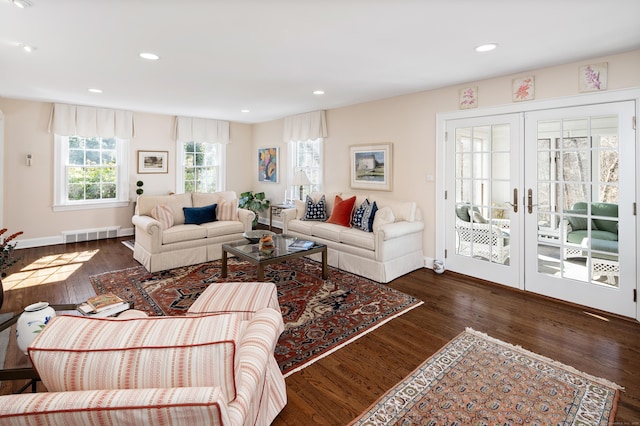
(307, 156)
(90, 173)
(202, 166)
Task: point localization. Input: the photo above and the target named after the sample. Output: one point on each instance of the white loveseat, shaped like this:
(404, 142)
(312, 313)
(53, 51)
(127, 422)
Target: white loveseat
(159, 247)
(394, 248)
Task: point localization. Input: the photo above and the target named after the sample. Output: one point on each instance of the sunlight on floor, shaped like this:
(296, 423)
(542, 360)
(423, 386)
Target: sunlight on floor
(47, 269)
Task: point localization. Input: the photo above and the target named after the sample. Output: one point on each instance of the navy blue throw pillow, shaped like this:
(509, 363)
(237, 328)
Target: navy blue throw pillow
(316, 211)
(364, 215)
(199, 215)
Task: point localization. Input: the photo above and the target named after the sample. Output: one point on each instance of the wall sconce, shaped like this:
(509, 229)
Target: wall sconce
(28, 159)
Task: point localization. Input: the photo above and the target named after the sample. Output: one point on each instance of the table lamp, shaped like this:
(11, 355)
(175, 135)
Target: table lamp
(300, 179)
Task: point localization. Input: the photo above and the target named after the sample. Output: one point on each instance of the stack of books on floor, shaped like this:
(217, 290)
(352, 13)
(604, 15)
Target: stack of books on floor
(103, 305)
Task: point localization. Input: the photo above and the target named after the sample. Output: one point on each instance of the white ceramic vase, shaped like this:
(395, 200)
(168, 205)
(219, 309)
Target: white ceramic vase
(31, 322)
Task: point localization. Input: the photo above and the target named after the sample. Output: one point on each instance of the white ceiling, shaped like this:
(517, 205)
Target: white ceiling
(219, 57)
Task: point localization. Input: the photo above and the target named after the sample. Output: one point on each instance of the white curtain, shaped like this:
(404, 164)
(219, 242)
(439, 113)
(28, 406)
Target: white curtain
(202, 130)
(76, 120)
(304, 127)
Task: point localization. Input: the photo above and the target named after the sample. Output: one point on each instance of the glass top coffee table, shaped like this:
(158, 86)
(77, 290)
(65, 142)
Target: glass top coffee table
(280, 253)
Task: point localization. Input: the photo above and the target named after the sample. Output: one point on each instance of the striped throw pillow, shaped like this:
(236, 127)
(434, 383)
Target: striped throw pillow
(163, 214)
(227, 210)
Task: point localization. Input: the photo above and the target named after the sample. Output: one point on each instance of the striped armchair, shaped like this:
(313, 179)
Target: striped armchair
(215, 366)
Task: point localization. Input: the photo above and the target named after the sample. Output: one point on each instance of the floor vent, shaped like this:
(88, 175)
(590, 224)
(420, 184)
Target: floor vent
(89, 234)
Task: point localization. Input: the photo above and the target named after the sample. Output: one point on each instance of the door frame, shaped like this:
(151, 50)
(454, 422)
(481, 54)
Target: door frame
(632, 94)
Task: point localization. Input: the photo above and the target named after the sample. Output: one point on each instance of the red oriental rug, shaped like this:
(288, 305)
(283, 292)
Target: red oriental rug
(320, 316)
(479, 380)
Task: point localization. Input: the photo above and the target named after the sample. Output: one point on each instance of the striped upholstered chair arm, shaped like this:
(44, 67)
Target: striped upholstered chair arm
(189, 406)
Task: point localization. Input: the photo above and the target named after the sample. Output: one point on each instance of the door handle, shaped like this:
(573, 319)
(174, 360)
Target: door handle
(515, 200)
(530, 204)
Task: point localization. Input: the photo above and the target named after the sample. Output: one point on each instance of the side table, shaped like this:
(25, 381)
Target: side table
(278, 208)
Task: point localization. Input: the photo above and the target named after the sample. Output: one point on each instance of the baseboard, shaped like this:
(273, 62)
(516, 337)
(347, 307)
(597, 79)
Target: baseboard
(55, 240)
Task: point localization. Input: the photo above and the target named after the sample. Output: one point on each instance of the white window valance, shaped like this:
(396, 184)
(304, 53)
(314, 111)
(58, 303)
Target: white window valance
(304, 127)
(76, 120)
(202, 130)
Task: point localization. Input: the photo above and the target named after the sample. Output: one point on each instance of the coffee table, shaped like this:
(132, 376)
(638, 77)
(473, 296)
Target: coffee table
(281, 253)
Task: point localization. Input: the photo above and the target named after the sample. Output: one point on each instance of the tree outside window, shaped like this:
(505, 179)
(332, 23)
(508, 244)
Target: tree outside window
(92, 169)
(201, 165)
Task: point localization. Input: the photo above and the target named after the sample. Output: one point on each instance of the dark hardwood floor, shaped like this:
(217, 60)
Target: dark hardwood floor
(337, 388)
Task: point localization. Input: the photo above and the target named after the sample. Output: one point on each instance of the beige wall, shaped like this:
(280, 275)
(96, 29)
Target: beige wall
(410, 123)
(28, 191)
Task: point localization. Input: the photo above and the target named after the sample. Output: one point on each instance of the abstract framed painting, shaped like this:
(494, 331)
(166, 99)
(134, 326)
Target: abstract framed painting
(372, 166)
(268, 165)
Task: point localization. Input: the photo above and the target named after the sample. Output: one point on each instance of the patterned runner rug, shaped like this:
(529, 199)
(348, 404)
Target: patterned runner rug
(320, 316)
(476, 379)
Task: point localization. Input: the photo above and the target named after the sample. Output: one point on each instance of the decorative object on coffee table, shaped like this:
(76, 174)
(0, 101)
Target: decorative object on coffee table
(255, 235)
(31, 322)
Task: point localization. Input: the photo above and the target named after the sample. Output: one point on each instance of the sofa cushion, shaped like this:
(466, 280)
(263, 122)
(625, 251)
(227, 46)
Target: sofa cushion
(328, 231)
(315, 211)
(179, 233)
(227, 210)
(222, 228)
(302, 226)
(577, 237)
(341, 213)
(201, 199)
(605, 209)
(163, 214)
(199, 215)
(364, 216)
(80, 353)
(358, 238)
(577, 223)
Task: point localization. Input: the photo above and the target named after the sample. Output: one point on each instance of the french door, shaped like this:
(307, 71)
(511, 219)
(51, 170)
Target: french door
(544, 201)
(483, 213)
(580, 229)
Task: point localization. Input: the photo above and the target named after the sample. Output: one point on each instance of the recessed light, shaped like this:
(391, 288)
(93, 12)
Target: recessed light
(245, 110)
(318, 92)
(22, 4)
(486, 47)
(149, 56)
(27, 48)
(95, 90)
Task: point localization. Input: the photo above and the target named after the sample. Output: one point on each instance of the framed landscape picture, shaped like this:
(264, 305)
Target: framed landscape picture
(372, 166)
(268, 165)
(153, 161)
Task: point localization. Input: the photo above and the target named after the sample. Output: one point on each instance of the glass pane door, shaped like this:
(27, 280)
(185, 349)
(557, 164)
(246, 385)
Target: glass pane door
(577, 193)
(480, 208)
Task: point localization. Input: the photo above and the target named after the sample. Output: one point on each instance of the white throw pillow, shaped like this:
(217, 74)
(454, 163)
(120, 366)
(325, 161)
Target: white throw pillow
(383, 216)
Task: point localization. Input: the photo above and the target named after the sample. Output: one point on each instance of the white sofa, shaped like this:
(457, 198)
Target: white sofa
(394, 248)
(181, 244)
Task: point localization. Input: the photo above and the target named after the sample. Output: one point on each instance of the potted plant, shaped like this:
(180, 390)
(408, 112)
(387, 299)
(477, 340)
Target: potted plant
(254, 202)
(7, 257)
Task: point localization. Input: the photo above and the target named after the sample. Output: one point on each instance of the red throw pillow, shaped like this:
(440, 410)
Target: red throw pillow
(341, 213)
